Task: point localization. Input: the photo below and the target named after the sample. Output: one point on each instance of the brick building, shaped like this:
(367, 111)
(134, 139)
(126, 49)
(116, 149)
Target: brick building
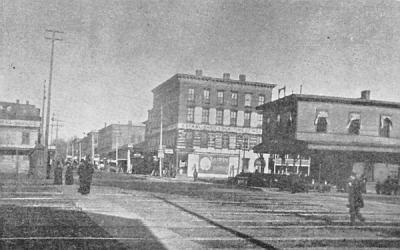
(210, 124)
(118, 135)
(340, 135)
(19, 130)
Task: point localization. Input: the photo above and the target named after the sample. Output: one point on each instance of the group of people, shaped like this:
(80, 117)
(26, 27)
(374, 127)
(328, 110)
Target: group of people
(85, 173)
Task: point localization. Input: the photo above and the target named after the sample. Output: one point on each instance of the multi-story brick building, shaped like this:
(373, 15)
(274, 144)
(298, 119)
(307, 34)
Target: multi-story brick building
(340, 135)
(117, 135)
(19, 130)
(209, 124)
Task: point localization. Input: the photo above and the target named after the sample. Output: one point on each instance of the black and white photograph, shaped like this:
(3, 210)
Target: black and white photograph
(200, 124)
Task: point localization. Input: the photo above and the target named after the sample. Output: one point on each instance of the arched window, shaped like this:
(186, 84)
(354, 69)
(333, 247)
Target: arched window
(385, 126)
(354, 124)
(321, 121)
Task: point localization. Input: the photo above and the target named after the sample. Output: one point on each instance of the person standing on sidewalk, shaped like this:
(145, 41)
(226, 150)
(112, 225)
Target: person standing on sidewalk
(58, 174)
(86, 173)
(195, 174)
(355, 198)
(69, 177)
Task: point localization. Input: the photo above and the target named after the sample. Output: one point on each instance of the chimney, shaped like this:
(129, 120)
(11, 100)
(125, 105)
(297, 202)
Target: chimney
(199, 72)
(365, 94)
(105, 124)
(130, 123)
(226, 76)
(242, 78)
(17, 101)
(27, 102)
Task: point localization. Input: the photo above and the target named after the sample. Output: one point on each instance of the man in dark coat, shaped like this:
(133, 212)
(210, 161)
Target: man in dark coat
(85, 176)
(69, 177)
(58, 174)
(355, 198)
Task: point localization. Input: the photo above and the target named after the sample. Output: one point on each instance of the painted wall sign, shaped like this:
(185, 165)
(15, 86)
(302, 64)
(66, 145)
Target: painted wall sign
(216, 128)
(19, 123)
(214, 164)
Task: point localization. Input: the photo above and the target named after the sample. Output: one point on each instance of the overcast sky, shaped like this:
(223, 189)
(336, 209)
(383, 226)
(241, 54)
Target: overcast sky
(114, 52)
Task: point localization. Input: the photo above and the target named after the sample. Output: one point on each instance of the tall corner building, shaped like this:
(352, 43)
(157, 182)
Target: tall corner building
(209, 124)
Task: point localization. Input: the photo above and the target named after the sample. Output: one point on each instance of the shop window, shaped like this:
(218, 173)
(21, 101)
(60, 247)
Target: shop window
(190, 97)
(234, 98)
(321, 121)
(206, 96)
(247, 116)
(220, 97)
(205, 115)
(385, 126)
(220, 117)
(190, 114)
(354, 123)
(233, 117)
(25, 138)
(247, 100)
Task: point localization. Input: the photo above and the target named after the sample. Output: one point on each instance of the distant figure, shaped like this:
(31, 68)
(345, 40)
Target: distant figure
(58, 174)
(85, 172)
(195, 174)
(69, 177)
(355, 198)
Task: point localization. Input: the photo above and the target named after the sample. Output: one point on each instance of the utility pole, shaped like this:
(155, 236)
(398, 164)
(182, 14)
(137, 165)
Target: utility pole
(160, 150)
(46, 141)
(42, 120)
(92, 151)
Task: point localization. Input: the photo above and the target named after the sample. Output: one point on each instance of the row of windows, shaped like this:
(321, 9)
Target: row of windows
(221, 96)
(321, 123)
(205, 117)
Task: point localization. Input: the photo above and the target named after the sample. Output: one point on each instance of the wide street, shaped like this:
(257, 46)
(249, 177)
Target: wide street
(139, 212)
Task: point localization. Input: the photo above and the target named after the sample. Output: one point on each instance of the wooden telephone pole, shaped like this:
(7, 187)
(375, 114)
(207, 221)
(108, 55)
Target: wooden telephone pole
(46, 140)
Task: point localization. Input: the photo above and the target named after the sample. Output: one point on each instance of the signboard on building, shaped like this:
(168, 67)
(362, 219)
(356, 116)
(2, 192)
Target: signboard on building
(19, 123)
(213, 164)
(218, 128)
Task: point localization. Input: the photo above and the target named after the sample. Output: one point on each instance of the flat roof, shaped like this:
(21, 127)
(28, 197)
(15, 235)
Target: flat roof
(214, 79)
(331, 99)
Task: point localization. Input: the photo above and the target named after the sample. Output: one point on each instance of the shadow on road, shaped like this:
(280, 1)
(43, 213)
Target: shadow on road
(27, 227)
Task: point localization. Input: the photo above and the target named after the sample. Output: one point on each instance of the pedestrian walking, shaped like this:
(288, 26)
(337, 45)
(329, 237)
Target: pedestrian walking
(86, 173)
(195, 174)
(58, 174)
(355, 198)
(81, 168)
(69, 177)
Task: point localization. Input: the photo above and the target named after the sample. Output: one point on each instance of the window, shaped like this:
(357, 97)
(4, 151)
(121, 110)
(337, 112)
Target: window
(189, 139)
(247, 100)
(354, 123)
(289, 124)
(190, 114)
(233, 117)
(190, 96)
(220, 97)
(385, 126)
(321, 121)
(247, 116)
(245, 142)
(25, 138)
(206, 96)
(204, 115)
(225, 141)
(220, 116)
(259, 120)
(203, 140)
(261, 99)
(234, 99)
